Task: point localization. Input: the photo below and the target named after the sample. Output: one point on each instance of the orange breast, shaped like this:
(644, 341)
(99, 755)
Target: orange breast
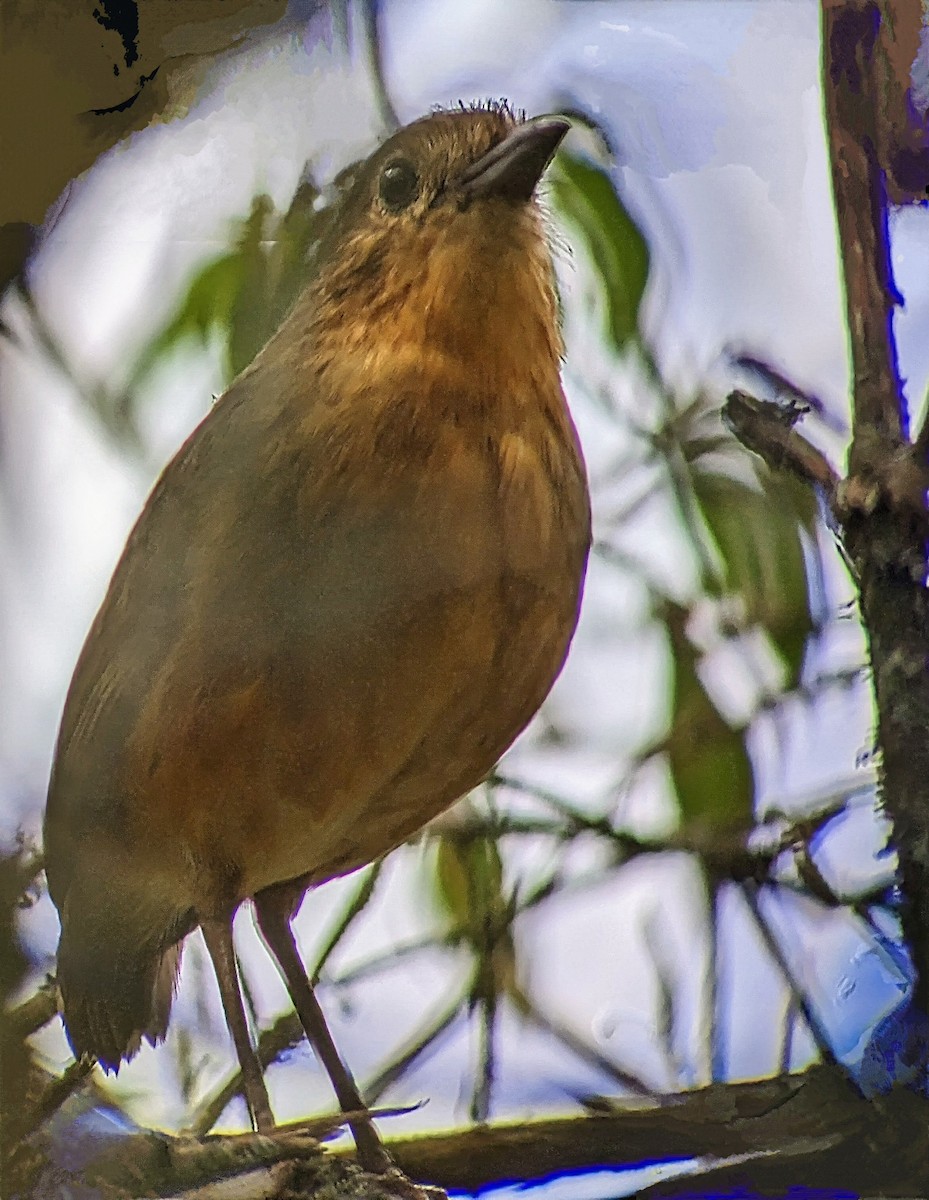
(321, 748)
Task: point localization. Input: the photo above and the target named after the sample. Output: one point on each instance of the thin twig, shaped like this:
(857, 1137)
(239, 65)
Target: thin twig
(486, 1072)
(117, 422)
(283, 1035)
(624, 1076)
(375, 57)
(785, 387)
(787, 1041)
(710, 1006)
(665, 1014)
(767, 429)
(353, 909)
(58, 1089)
(29, 1017)
(817, 1029)
(425, 1043)
(385, 959)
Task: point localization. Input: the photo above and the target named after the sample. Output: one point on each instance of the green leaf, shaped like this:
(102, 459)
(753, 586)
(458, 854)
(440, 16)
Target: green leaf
(469, 887)
(469, 882)
(207, 306)
(273, 249)
(618, 252)
(243, 294)
(709, 762)
(757, 532)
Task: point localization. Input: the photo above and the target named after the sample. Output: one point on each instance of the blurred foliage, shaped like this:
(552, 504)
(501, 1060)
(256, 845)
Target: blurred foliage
(757, 528)
(757, 576)
(710, 764)
(585, 196)
(469, 887)
(241, 296)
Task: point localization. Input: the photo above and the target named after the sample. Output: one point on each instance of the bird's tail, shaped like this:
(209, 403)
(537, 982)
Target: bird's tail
(116, 988)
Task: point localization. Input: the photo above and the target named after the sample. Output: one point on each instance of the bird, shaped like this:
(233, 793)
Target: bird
(347, 594)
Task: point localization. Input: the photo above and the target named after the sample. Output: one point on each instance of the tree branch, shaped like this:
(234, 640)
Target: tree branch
(850, 32)
(885, 541)
(816, 1118)
(769, 1117)
(881, 507)
(767, 428)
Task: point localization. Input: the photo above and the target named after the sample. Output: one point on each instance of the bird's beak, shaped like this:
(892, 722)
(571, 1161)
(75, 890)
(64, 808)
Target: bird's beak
(514, 166)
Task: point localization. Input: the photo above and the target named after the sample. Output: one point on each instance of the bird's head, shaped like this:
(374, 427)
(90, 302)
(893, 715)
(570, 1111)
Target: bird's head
(438, 238)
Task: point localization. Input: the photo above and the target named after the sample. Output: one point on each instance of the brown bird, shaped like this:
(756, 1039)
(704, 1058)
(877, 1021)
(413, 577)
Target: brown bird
(348, 592)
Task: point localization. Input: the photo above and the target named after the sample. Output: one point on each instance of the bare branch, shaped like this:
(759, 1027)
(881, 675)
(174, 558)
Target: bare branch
(771, 1117)
(27, 1018)
(850, 29)
(768, 430)
(886, 543)
(31, 1117)
(817, 1030)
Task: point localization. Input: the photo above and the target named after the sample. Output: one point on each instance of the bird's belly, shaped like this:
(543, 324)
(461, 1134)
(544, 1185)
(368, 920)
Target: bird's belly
(452, 695)
(312, 769)
(431, 737)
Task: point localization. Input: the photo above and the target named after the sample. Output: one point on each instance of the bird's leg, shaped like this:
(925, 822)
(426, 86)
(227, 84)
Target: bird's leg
(273, 909)
(218, 936)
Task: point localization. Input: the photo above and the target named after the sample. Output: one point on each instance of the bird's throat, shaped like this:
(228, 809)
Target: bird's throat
(474, 311)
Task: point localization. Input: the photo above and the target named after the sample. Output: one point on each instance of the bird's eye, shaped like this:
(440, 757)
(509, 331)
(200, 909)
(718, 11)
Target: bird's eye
(399, 185)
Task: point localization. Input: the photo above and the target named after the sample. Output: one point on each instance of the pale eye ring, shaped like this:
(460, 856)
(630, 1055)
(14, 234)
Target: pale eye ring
(398, 186)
